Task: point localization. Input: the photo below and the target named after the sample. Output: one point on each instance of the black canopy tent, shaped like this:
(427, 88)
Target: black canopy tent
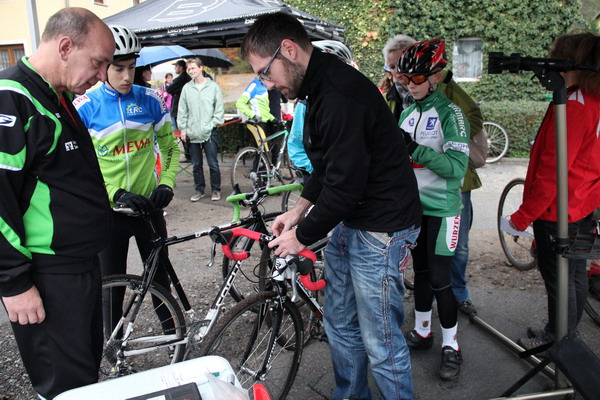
(212, 23)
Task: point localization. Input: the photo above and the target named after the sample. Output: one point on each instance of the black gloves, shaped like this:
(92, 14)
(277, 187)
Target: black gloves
(136, 202)
(411, 145)
(161, 196)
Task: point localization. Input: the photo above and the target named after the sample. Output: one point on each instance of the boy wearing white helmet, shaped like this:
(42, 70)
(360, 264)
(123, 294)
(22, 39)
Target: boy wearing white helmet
(126, 121)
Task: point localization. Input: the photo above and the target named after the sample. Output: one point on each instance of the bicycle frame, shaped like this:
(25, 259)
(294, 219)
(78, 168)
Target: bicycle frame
(158, 256)
(263, 143)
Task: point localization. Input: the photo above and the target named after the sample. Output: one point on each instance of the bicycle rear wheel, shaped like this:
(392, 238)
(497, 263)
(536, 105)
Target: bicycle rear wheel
(497, 141)
(250, 169)
(519, 251)
(289, 199)
(253, 346)
(241, 288)
(158, 322)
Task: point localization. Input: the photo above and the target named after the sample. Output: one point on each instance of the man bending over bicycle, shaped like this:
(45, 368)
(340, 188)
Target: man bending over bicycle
(125, 121)
(363, 186)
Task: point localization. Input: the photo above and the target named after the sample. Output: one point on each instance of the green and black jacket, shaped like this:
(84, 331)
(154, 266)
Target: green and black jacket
(53, 205)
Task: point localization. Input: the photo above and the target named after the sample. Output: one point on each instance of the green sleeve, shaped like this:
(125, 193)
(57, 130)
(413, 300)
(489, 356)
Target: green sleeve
(459, 97)
(452, 163)
(169, 155)
(243, 104)
(219, 111)
(182, 111)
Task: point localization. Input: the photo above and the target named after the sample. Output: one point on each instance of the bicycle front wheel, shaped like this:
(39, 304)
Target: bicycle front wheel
(157, 325)
(250, 170)
(497, 141)
(519, 251)
(249, 337)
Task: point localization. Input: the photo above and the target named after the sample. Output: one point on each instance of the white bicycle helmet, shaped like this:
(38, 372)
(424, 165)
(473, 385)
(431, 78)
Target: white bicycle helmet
(336, 48)
(127, 44)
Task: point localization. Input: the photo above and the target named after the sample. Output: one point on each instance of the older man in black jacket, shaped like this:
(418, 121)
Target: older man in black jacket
(364, 187)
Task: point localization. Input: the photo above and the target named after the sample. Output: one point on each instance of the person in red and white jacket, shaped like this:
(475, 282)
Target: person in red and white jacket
(539, 198)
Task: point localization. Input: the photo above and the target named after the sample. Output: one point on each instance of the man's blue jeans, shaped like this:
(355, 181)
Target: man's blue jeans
(364, 312)
(211, 148)
(461, 255)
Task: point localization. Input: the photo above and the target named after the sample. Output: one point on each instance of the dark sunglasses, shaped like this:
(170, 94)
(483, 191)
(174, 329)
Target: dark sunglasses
(416, 79)
(264, 75)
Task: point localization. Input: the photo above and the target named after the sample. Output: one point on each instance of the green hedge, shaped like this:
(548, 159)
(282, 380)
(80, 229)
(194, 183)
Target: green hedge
(508, 26)
(234, 137)
(521, 119)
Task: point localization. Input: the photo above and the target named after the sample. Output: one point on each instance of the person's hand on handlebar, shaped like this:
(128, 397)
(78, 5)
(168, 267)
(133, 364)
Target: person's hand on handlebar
(286, 243)
(161, 196)
(136, 202)
(285, 222)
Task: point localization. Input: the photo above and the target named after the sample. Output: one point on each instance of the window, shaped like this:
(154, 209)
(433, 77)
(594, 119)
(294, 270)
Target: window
(9, 55)
(467, 59)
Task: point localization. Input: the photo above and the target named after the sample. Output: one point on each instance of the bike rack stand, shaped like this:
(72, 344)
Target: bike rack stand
(548, 72)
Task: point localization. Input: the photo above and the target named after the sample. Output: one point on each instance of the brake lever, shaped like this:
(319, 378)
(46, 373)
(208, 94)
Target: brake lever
(213, 252)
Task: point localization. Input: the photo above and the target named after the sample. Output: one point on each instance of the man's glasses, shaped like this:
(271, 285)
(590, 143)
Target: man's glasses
(264, 75)
(389, 68)
(416, 79)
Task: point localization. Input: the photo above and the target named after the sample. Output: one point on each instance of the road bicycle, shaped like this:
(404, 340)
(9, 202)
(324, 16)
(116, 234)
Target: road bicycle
(263, 335)
(152, 330)
(497, 141)
(252, 166)
(520, 251)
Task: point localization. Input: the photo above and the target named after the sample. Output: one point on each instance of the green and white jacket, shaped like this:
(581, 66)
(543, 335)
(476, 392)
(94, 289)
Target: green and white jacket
(440, 160)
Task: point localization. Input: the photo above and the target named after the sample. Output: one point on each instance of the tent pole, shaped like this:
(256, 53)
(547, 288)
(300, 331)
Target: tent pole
(562, 240)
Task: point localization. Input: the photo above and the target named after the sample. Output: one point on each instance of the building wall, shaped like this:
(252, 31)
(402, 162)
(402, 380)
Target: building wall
(14, 21)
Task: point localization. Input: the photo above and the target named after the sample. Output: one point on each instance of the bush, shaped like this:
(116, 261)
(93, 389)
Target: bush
(521, 119)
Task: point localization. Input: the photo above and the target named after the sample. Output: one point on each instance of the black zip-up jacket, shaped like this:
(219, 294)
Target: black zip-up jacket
(362, 173)
(54, 209)
(175, 90)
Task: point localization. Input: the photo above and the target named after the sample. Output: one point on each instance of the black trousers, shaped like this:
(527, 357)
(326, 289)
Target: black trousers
(65, 350)
(113, 260)
(433, 274)
(545, 236)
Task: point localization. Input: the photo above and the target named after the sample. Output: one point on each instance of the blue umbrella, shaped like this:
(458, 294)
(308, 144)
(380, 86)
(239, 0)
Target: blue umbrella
(155, 55)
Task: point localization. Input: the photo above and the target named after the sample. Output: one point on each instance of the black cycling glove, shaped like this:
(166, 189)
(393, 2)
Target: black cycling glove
(161, 196)
(411, 145)
(136, 202)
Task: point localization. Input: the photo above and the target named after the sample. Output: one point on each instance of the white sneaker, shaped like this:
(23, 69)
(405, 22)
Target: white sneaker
(196, 196)
(216, 196)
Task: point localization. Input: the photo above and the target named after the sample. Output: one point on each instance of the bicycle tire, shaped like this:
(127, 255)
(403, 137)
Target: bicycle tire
(313, 325)
(239, 290)
(519, 251)
(289, 199)
(146, 324)
(498, 141)
(243, 337)
(592, 308)
(244, 164)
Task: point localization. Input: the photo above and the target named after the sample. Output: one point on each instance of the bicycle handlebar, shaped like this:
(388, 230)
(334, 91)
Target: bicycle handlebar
(235, 199)
(224, 238)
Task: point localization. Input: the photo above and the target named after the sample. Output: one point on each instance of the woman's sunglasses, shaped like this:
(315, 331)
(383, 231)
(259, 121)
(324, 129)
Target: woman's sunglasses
(416, 79)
